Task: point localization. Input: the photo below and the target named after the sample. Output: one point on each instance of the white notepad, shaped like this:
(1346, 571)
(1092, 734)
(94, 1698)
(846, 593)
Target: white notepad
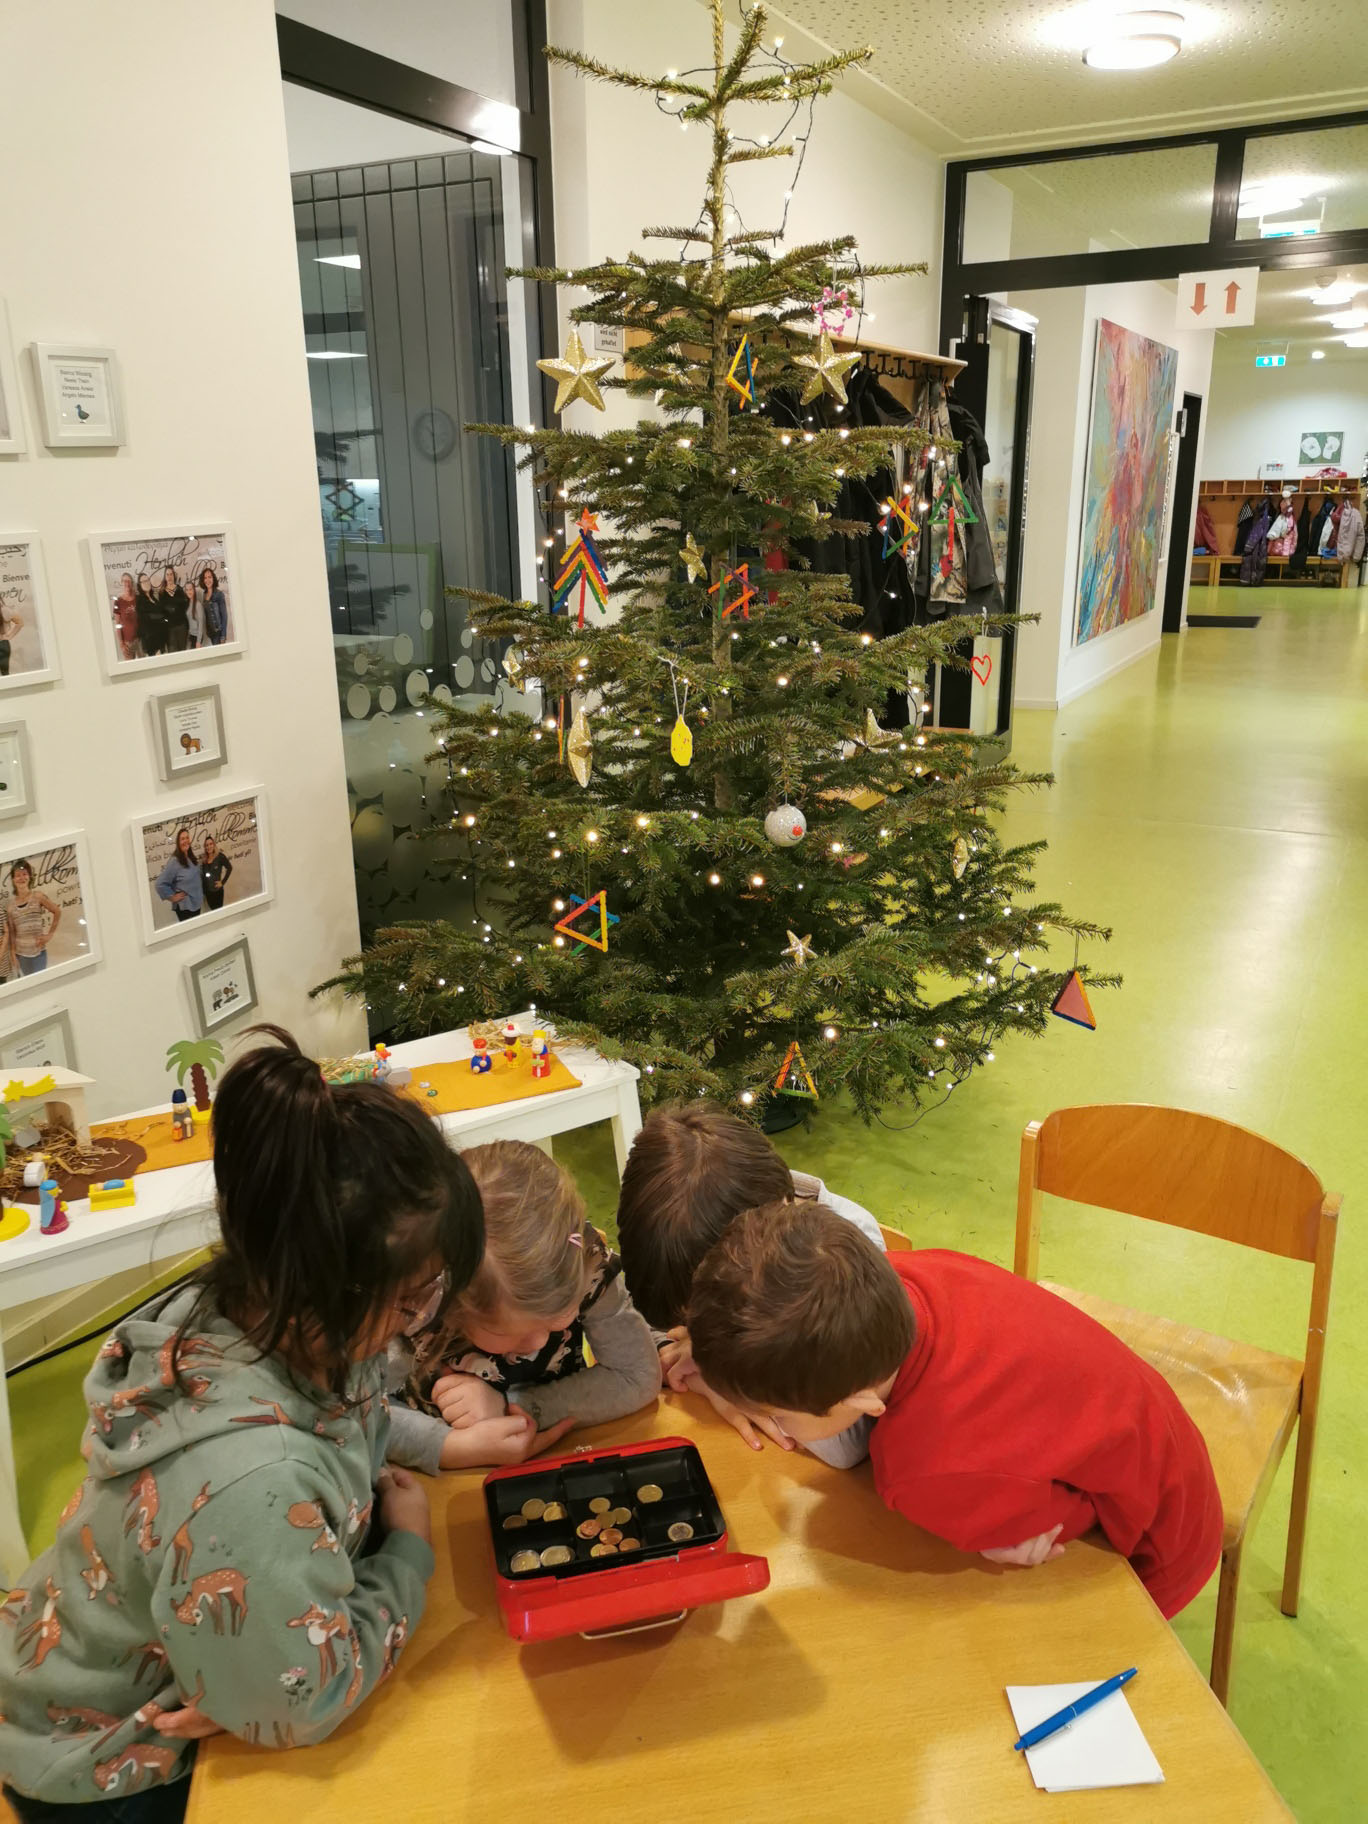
(1103, 1747)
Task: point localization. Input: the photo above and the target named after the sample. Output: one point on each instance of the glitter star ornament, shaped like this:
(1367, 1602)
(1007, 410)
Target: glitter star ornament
(693, 560)
(829, 371)
(799, 948)
(512, 664)
(576, 374)
(874, 736)
(959, 858)
(579, 748)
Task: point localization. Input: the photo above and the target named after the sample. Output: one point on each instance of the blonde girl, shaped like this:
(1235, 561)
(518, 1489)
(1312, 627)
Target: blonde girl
(506, 1375)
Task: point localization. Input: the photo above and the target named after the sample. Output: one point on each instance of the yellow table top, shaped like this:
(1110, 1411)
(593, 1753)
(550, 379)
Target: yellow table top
(866, 1682)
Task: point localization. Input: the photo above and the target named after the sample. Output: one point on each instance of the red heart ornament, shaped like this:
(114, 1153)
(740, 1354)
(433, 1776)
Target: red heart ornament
(984, 659)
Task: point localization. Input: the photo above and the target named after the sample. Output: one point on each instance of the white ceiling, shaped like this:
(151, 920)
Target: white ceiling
(974, 77)
(1285, 313)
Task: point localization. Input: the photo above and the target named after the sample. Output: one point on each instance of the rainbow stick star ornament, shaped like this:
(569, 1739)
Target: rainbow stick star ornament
(581, 564)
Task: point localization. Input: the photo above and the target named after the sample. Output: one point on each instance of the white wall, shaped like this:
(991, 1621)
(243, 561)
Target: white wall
(1051, 669)
(621, 166)
(1258, 415)
(178, 252)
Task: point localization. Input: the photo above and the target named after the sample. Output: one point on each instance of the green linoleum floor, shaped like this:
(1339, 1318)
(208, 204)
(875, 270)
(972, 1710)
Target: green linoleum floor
(1212, 807)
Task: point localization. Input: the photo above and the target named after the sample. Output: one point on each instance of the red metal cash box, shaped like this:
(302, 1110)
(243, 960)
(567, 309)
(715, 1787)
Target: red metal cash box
(657, 1578)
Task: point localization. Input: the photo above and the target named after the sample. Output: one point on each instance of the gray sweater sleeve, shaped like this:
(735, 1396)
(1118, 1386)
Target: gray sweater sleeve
(625, 1375)
(415, 1439)
(846, 1449)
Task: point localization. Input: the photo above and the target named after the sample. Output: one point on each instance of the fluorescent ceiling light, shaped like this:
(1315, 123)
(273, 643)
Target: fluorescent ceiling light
(487, 145)
(1339, 291)
(1358, 340)
(1136, 41)
(1318, 354)
(339, 259)
(1270, 198)
(1350, 319)
(333, 354)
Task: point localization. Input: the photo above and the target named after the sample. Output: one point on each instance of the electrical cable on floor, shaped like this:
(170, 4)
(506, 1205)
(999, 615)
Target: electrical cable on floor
(90, 1336)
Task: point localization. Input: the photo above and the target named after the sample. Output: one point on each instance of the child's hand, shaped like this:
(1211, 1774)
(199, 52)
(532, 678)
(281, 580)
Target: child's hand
(740, 1421)
(1040, 1550)
(403, 1503)
(513, 1438)
(676, 1360)
(464, 1399)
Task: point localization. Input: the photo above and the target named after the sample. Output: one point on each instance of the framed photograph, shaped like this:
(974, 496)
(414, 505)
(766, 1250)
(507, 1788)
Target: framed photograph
(189, 728)
(166, 598)
(47, 915)
(79, 388)
(222, 986)
(16, 778)
(28, 648)
(45, 1045)
(208, 860)
(13, 441)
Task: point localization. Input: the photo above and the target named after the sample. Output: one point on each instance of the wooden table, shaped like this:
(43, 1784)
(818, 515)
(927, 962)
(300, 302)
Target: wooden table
(175, 1214)
(866, 1682)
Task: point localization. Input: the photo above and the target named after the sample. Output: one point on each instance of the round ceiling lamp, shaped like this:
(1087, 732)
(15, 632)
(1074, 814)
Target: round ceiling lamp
(1350, 319)
(1359, 339)
(1339, 291)
(1136, 41)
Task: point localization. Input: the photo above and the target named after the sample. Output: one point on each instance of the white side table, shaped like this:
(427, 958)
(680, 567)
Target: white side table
(175, 1211)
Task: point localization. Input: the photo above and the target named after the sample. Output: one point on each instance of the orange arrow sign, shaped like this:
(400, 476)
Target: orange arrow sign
(1232, 293)
(1198, 298)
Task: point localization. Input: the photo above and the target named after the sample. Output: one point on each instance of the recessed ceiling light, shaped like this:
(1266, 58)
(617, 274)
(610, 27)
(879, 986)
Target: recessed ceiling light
(1358, 340)
(1339, 291)
(1271, 198)
(354, 261)
(1350, 319)
(1136, 41)
(1318, 354)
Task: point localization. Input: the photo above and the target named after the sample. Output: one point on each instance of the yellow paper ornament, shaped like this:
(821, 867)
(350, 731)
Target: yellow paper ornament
(681, 742)
(579, 749)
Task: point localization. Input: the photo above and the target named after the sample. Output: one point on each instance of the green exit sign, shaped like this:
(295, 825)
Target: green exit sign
(1270, 360)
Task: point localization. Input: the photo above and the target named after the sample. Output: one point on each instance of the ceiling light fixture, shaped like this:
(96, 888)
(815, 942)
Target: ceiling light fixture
(1339, 291)
(1350, 319)
(1318, 354)
(1274, 197)
(1136, 41)
(1359, 339)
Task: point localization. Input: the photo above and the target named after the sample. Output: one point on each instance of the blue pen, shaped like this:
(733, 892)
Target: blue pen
(1062, 1718)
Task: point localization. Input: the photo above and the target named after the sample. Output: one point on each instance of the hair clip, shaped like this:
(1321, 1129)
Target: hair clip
(577, 1240)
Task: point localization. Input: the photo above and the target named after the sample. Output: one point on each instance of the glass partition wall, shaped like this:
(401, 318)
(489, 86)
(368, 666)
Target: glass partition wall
(412, 332)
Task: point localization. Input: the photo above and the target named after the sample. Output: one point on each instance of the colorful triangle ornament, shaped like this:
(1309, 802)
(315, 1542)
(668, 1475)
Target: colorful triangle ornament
(1071, 1003)
(795, 1079)
(567, 925)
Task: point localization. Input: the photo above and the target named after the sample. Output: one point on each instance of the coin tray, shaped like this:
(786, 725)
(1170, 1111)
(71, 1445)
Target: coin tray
(677, 1471)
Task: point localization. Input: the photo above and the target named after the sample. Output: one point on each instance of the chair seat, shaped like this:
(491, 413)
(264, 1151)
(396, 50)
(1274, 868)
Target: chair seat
(1243, 1400)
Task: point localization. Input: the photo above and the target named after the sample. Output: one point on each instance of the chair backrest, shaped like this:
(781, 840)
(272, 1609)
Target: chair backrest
(1169, 1165)
(894, 1240)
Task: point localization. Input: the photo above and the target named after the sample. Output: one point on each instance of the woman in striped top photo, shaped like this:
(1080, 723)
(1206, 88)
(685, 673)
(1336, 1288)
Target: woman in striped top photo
(31, 919)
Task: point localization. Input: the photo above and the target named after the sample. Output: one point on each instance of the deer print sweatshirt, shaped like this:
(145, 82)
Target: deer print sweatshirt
(219, 1552)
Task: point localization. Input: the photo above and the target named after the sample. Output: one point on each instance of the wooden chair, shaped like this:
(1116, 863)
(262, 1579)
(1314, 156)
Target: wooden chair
(894, 1240)
(1206, 1175)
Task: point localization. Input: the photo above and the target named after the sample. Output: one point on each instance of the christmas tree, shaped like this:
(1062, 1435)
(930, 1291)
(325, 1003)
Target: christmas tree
(706, 856)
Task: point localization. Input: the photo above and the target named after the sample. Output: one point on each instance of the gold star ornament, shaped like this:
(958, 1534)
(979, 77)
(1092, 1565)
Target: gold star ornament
(693, 560)
(799, 948)
(874, 736)
(576, 374)
(829, 371)
(579, 748)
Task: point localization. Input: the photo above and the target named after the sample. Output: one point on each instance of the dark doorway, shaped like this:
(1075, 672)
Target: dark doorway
(1184, 480)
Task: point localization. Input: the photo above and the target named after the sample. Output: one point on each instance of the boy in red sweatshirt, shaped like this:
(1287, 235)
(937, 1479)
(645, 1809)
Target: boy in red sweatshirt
(1006, 1421)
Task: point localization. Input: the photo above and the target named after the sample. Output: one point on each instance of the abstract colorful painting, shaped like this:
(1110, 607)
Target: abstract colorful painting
(1134, 385)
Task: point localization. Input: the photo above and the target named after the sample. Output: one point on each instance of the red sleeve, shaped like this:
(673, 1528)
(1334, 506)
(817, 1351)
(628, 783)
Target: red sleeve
(980, 1513)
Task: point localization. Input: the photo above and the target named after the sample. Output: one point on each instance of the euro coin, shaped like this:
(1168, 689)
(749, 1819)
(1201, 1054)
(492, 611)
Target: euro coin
(554, 1510)
(557, 1554)
(629, 1545)
(650, 1493)
(619, 1516)
(598, 1505)
(610, 1535)
(680, 1531)
(513, 1522)
(533, 1509)
(526, 1561)
(602, 1551)
(589, 1529)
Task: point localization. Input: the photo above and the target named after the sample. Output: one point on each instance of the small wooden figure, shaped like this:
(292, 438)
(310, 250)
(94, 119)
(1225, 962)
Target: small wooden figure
(113, 1194)
(541, 1054)
(52, 1210)
(510, 1042)
(182, 1116)
(198, 1059)
(481, 1060)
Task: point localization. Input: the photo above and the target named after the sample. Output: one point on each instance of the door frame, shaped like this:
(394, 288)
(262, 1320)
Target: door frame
(1180, 545)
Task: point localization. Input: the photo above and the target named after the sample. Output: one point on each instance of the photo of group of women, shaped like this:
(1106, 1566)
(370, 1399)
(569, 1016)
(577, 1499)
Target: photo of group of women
(203, 862)
(168, 596)
(43, 915)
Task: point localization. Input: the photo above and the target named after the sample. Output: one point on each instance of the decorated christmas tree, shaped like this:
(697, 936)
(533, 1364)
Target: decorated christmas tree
(706, 855)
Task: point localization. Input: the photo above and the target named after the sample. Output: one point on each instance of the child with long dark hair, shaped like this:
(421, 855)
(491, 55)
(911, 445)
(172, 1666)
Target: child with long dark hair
(236, 1558)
